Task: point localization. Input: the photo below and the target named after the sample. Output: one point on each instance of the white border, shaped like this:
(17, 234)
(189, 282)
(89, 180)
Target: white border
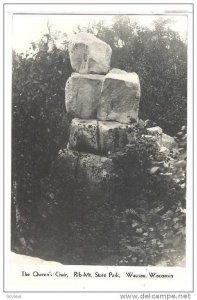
(184, 276)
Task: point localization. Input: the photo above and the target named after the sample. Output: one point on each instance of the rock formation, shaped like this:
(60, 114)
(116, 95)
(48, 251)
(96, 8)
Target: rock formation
(105, 107)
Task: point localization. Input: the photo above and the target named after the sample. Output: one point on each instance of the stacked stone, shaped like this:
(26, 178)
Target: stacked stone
(104, 105)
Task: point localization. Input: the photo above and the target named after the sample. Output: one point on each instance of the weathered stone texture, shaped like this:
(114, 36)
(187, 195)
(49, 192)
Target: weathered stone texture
(164, 150)
(157, 132)
(153, 139)
(94, 169)
(100, 137)
(113, 136)
(88, 170)
(89, 54)
(83, 135)
(82, 94)
(168, 141)
(120, 97)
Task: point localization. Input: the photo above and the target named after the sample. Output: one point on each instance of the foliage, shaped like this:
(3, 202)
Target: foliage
(150, 195)
(159, 57)
(39, 121)
(142, 210)
(138, 220)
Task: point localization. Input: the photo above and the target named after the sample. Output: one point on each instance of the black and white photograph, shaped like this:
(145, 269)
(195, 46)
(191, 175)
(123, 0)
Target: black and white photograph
(99, 151)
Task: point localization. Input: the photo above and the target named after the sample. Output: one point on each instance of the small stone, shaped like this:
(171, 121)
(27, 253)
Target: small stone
(139, 230)
(168, 142)
(134, 225)
(134, 259)
(164, 150)
(154, 170)
(157, 132)
(120, 97)
(89, 54)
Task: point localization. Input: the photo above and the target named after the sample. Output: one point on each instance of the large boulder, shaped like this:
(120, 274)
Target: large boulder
(89, 54)
(83, 135)
(82, 95)
(120, 97)
(113, 136)
(168, 142)
(157, 132)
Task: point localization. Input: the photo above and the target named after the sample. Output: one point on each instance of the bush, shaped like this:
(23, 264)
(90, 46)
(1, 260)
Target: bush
(159, 57)
(137, 221)
(39, 122)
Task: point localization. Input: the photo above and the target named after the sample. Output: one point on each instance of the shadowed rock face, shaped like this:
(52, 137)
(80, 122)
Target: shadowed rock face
(86, 169)
(89, 54)
(94, 169)
(168, 141)
(113, 136)
(120, 97)
(83, 135)
(82, 95)
(99, 137)
(67, 163)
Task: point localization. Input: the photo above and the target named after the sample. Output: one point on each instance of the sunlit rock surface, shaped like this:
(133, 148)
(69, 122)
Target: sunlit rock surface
(82, 95)
(89, 54)
(120, 97)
